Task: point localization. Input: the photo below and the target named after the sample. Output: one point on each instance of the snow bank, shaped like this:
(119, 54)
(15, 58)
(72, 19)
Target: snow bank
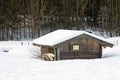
(5, 46)
(111, 52)
(21, 51)
(115, 40)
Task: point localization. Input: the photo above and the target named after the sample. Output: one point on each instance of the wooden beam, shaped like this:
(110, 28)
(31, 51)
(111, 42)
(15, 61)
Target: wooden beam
(55, 53)
(58, 53)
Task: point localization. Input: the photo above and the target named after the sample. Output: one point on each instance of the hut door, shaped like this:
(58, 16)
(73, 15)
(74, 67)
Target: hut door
(76, 50)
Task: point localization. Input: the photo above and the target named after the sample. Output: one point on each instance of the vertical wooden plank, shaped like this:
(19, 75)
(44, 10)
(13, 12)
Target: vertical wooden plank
(55, 53)
(58, 53)
(100, 51)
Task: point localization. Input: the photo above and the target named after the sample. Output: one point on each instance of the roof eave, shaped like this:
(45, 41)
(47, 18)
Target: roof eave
(105, 44)
(40, 45)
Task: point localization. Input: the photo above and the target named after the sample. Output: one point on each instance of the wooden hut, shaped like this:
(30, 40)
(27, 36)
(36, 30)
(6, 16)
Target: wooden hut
(72, 44)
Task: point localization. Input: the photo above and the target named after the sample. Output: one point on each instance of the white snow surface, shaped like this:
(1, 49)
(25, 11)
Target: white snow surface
(19, 64)
(59, 36)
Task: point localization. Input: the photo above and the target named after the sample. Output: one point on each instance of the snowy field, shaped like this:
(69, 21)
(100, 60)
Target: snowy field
(18, 63)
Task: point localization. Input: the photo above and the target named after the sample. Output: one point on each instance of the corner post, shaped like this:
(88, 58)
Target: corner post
(57, 53)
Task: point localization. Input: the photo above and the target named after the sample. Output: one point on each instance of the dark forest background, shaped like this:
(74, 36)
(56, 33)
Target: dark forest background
(29, 19)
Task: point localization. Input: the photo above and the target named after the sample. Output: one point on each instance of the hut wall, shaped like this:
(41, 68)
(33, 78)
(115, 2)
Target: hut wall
(46, 49)
(88, 49)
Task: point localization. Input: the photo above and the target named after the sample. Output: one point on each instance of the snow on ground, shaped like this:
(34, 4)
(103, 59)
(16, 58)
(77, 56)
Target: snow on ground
(8, 45)
(19, 64)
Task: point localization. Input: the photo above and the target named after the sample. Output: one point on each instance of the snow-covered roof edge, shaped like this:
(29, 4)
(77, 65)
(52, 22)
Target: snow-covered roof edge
(78, 33)
(99, 37)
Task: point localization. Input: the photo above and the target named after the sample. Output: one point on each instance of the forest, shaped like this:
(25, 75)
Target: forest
(29, 19)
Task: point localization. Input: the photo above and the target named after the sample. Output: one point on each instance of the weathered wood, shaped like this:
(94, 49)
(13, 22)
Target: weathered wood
(104, 44)
(58, 54)
(47, 49)
(80, 55)
(89, 48)
(55, 53)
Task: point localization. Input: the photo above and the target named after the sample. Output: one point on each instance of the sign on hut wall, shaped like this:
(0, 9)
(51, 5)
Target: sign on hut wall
(76, 47)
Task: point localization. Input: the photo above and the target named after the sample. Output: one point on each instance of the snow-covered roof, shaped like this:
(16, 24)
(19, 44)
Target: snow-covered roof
(60, 36)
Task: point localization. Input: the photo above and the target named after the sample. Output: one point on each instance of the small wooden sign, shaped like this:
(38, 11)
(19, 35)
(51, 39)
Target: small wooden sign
(76, 47)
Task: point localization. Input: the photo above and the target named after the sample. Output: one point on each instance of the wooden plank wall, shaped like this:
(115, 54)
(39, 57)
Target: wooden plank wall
(88, 49)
